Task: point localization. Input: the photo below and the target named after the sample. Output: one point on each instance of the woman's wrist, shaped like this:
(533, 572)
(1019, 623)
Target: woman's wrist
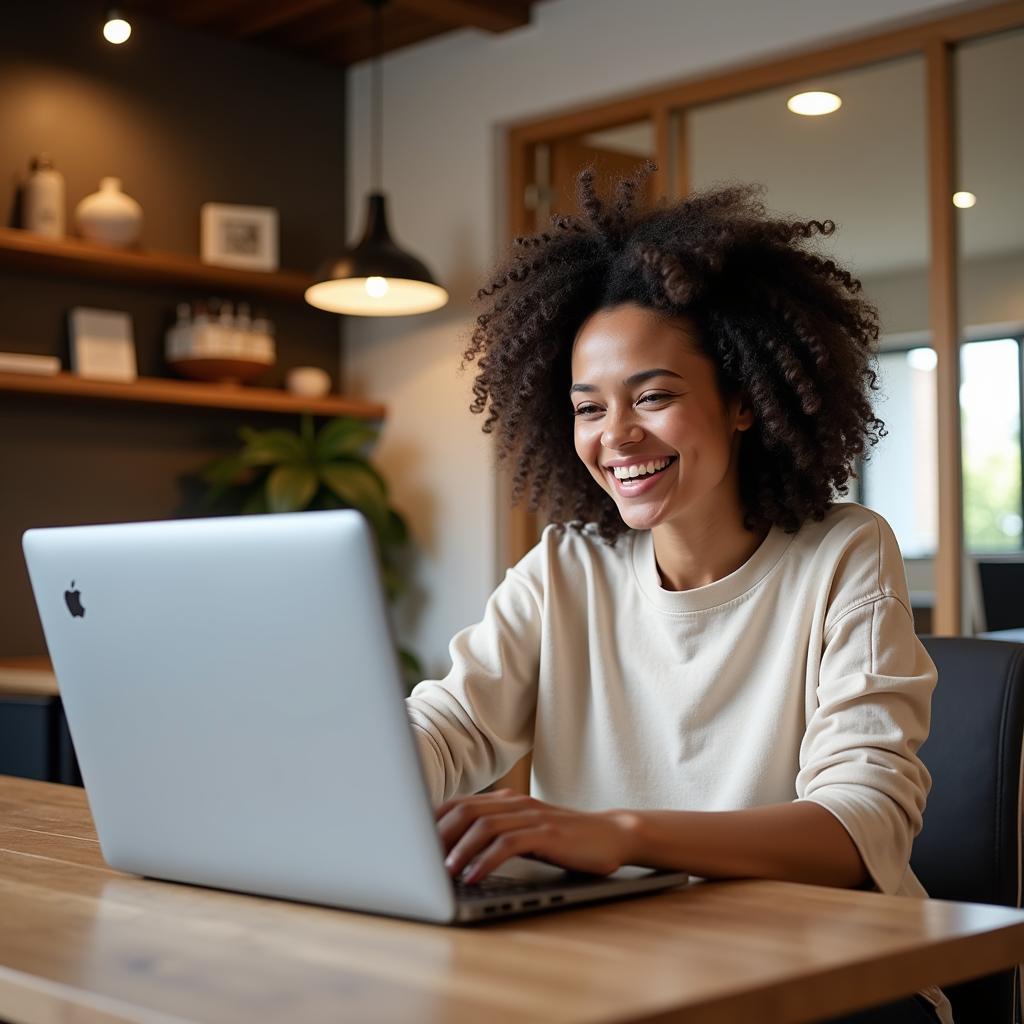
(629, 827)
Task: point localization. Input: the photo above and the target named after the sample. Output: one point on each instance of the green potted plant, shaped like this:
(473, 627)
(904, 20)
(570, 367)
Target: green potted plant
(292, 471)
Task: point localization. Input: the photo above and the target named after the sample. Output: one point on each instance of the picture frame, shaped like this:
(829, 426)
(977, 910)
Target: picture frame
(102, 344)
(243, 237)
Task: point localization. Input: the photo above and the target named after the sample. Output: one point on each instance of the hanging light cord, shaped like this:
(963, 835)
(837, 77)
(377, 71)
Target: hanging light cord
(375, 175)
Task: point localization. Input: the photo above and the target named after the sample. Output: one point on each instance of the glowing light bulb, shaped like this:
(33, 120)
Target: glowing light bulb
(116, 30)
(814, 104)
(376, 287)
(964, 200)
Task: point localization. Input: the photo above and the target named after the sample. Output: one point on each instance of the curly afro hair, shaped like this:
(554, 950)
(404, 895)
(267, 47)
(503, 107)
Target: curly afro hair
(786, 328)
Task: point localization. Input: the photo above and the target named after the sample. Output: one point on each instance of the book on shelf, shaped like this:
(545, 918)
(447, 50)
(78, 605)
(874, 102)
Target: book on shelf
(24, 362)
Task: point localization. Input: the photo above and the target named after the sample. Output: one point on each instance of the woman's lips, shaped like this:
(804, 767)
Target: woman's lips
(635, 486)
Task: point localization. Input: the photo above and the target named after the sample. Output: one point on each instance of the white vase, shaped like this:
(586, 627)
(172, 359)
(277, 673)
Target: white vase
(109, 216)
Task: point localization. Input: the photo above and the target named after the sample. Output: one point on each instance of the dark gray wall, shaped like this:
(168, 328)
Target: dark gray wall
(183, 118)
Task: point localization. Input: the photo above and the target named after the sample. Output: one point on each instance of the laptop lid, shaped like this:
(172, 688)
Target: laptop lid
(232, 690)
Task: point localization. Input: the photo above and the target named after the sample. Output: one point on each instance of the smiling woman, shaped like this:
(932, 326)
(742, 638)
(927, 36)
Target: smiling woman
(663, 443)
(711, 659)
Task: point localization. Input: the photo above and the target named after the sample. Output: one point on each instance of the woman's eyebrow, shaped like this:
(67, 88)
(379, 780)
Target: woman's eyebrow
(636, 378)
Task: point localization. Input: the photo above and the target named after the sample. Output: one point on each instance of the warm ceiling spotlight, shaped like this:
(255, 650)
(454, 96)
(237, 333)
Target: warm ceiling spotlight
(115, 29)
(814, 104)
(964, 200)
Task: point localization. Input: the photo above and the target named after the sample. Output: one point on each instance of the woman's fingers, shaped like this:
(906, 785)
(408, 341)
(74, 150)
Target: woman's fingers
(537, 840)
(482, 832)
(461, 814)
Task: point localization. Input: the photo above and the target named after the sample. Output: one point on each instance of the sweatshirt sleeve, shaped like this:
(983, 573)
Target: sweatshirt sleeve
(858, 758)
(473, 725)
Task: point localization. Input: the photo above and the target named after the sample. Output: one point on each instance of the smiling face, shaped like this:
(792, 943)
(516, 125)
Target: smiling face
(650, 423)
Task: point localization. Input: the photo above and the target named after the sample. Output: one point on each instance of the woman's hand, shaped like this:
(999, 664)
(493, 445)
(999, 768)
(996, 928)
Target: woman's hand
(488, 828)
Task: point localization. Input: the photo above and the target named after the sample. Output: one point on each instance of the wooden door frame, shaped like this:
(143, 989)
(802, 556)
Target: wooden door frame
(932, 39)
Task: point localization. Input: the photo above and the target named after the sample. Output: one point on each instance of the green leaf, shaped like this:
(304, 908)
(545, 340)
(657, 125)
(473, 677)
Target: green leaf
(343, 436)
(397, 531)
(223, 470)
(290, 488)
(359, 487)
(270, 447)
(394, 583)
(307, 433)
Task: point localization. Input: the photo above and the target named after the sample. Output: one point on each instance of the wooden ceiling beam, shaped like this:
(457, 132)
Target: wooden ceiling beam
(272, 14)
(394, 34)
(489, 15)
(196, 13)
(321, 28)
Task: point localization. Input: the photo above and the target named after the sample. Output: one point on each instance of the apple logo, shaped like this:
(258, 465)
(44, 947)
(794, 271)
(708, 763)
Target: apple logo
(74, 601)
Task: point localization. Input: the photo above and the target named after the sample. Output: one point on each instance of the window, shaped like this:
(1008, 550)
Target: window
(899, 479)
(990, 426)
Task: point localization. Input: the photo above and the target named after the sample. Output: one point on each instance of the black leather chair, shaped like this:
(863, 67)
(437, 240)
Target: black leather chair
(970, 845)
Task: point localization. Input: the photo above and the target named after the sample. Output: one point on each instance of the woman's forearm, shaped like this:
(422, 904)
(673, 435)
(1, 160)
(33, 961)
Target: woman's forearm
(796, 842)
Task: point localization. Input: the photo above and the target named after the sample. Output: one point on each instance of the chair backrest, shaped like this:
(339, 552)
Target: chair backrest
(970, 845)
(1002, 591)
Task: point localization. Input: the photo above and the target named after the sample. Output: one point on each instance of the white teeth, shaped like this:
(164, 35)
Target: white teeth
(640, 469)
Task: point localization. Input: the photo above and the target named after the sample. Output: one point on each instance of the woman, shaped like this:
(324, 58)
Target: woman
(712, 661)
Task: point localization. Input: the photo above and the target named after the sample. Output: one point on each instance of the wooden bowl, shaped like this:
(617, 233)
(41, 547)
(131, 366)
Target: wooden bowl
(219, 369)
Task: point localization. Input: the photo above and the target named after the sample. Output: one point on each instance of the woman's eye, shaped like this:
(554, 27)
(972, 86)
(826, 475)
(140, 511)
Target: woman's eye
(585, 410)
(654, 398)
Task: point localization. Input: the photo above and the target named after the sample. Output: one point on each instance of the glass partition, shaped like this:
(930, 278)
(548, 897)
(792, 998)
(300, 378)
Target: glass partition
(989, 76)
(864, 166)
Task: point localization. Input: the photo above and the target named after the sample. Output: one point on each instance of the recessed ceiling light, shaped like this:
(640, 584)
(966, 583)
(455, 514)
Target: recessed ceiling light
(814, 104)
(964, 200)
(115, 29)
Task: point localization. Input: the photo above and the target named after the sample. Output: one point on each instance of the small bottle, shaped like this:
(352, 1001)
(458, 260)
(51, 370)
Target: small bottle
(178, 341)
(200, 340)
(263, 331)
(44, 199)
(243, 331)
(226, 336)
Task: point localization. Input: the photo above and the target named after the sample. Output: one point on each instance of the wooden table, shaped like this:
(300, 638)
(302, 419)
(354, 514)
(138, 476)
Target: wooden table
(81, 943)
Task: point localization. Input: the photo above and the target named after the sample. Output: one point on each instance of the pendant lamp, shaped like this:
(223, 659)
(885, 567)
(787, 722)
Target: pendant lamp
(375, 277)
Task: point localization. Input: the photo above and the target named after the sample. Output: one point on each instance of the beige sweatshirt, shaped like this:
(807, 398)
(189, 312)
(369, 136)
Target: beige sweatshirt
(798, 676)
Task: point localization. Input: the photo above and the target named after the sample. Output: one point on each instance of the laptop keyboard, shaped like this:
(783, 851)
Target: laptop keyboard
(504, 885)
(499, 885)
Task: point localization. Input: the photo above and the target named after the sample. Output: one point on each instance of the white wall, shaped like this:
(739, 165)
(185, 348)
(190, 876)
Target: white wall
(991, 293)
(445, 104)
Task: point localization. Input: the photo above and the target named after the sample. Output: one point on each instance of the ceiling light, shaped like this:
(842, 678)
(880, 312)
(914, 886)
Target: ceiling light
(116, 30)
(814, 104)
(964, 200)
(375, 277)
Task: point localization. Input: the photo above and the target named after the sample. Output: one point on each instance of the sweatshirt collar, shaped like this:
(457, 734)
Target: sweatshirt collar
(713, 595)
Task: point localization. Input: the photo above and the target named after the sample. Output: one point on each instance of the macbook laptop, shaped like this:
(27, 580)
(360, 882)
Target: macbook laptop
(236, 705)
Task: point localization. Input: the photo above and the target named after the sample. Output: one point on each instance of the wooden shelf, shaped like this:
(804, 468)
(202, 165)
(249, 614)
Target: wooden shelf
(22, 250)
(158, 391)
(30, 676)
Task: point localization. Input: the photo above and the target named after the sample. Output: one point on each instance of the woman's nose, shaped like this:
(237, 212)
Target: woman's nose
(620, 429)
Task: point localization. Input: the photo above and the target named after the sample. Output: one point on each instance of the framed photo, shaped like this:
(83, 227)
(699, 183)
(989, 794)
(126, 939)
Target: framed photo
(238, 236)
(102, 344)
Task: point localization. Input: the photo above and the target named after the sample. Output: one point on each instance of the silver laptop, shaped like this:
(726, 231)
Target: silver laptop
(235, 701)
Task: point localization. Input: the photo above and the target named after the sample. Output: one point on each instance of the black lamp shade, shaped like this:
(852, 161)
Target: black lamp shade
(375, 277)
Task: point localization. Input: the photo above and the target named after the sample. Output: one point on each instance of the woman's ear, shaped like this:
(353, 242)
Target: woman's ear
(743, 414)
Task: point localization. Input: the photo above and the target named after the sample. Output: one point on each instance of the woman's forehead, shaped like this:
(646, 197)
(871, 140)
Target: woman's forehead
(627, 335)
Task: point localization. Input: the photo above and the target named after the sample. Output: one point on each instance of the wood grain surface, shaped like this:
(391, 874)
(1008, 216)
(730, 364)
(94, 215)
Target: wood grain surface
(29, 676)
(80, 942)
